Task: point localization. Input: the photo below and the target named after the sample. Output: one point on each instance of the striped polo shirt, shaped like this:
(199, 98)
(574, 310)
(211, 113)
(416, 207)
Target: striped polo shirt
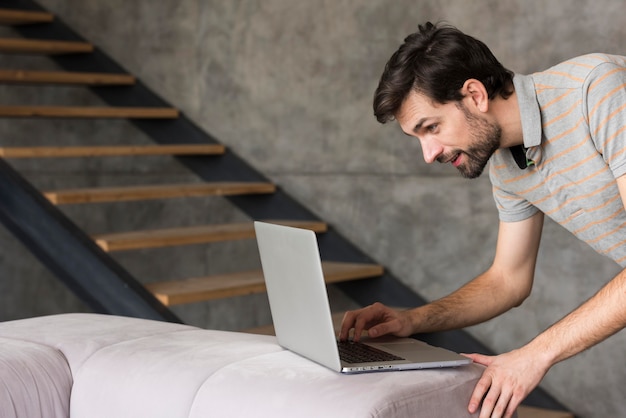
(574, 126)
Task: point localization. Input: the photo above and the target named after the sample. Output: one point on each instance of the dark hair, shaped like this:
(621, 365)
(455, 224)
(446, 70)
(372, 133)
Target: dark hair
(436, 61)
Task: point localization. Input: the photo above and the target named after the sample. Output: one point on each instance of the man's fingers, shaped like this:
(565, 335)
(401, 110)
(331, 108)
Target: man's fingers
(376, 331)
(515, 401)
(346, 325)
(361, 323)
(489, 404)
(356, 320)
(479, 392)
(358, 329)
(377, 319)
(502, 404)
(517, 395)
(480, 358)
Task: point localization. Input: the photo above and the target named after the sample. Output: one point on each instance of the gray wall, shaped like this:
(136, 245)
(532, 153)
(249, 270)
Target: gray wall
(288, 86)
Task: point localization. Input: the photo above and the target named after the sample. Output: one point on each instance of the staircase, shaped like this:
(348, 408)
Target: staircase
(86, 262)
(200, 149)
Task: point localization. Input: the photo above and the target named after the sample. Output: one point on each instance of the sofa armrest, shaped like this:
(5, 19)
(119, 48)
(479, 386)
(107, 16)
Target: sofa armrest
(35, 381)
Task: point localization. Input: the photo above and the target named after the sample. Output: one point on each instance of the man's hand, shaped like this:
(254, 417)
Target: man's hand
(378, 320)
(506, 381)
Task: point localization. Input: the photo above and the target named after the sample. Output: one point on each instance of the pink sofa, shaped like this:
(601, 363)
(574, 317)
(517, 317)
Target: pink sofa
(90, 366)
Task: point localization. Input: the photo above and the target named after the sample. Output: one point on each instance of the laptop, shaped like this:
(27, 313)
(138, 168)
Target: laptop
(301, 313)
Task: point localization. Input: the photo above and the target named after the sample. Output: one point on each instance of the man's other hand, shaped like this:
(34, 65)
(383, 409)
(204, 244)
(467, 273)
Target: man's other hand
(377, 320)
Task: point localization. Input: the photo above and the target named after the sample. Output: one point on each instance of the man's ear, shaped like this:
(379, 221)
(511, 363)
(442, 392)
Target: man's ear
(475, 92)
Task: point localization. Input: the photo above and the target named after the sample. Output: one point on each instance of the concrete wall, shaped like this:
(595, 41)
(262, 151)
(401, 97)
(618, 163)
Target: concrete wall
(288, 86)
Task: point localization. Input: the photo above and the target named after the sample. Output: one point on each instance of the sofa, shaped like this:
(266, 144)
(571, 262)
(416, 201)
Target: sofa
(92, 365)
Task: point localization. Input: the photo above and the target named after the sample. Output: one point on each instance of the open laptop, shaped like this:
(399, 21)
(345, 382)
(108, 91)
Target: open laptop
(301, 312)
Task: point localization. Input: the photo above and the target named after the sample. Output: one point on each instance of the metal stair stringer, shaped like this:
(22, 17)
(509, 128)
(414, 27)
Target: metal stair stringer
(70, 254)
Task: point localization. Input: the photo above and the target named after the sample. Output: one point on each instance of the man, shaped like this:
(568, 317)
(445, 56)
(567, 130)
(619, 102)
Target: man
(556, 143)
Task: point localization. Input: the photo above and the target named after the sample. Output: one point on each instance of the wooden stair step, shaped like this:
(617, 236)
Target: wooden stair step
(161, 191)
(23, 17)
(246, 283)
(103, 151)
(45, 47)
(203, 234)
(88, 112)
(64, 77)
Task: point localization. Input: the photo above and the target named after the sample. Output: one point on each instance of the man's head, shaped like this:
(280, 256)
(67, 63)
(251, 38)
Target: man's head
(438, 86)
(436, 61)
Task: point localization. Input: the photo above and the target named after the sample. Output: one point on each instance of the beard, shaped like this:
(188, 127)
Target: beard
(486, 138)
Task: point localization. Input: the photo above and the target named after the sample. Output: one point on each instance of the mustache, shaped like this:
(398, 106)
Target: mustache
(451, 156)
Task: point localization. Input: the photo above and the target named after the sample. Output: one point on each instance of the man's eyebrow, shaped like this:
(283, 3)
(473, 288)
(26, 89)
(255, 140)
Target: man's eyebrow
(418, 125)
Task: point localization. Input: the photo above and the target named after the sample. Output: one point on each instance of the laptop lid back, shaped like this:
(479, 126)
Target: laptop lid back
(297, 293)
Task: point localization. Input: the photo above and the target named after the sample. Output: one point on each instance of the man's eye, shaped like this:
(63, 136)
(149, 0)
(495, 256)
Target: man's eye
(432, 128)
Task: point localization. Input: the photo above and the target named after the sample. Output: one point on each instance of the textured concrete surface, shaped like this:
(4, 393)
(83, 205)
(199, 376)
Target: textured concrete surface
(288, 86)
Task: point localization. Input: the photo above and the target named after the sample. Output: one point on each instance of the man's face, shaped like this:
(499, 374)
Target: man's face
(450, 133)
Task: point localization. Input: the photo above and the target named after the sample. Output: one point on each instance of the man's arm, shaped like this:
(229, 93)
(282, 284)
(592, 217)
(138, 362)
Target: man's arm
(504, 285)
(510, 377)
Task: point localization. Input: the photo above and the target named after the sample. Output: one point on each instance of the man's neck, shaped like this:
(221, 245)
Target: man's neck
(507, 114)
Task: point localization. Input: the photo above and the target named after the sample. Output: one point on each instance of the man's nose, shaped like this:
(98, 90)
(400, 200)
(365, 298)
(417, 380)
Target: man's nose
(431, 150)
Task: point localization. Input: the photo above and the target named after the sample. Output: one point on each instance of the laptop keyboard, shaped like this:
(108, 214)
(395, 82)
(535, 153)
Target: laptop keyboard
(355, 352)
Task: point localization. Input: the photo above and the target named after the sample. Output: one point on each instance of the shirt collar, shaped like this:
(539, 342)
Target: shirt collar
(529, 109)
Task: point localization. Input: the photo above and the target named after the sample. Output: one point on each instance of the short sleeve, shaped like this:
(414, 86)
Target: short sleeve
(511, 207)
(605, 106)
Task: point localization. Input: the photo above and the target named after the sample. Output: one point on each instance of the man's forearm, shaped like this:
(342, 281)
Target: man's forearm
(485, 297)
(601, 316)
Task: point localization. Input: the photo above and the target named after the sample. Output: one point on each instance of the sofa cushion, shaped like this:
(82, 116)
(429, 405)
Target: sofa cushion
(283, 384)
(160, 376)
(125, 367)
(35, 381)
(79, 335)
